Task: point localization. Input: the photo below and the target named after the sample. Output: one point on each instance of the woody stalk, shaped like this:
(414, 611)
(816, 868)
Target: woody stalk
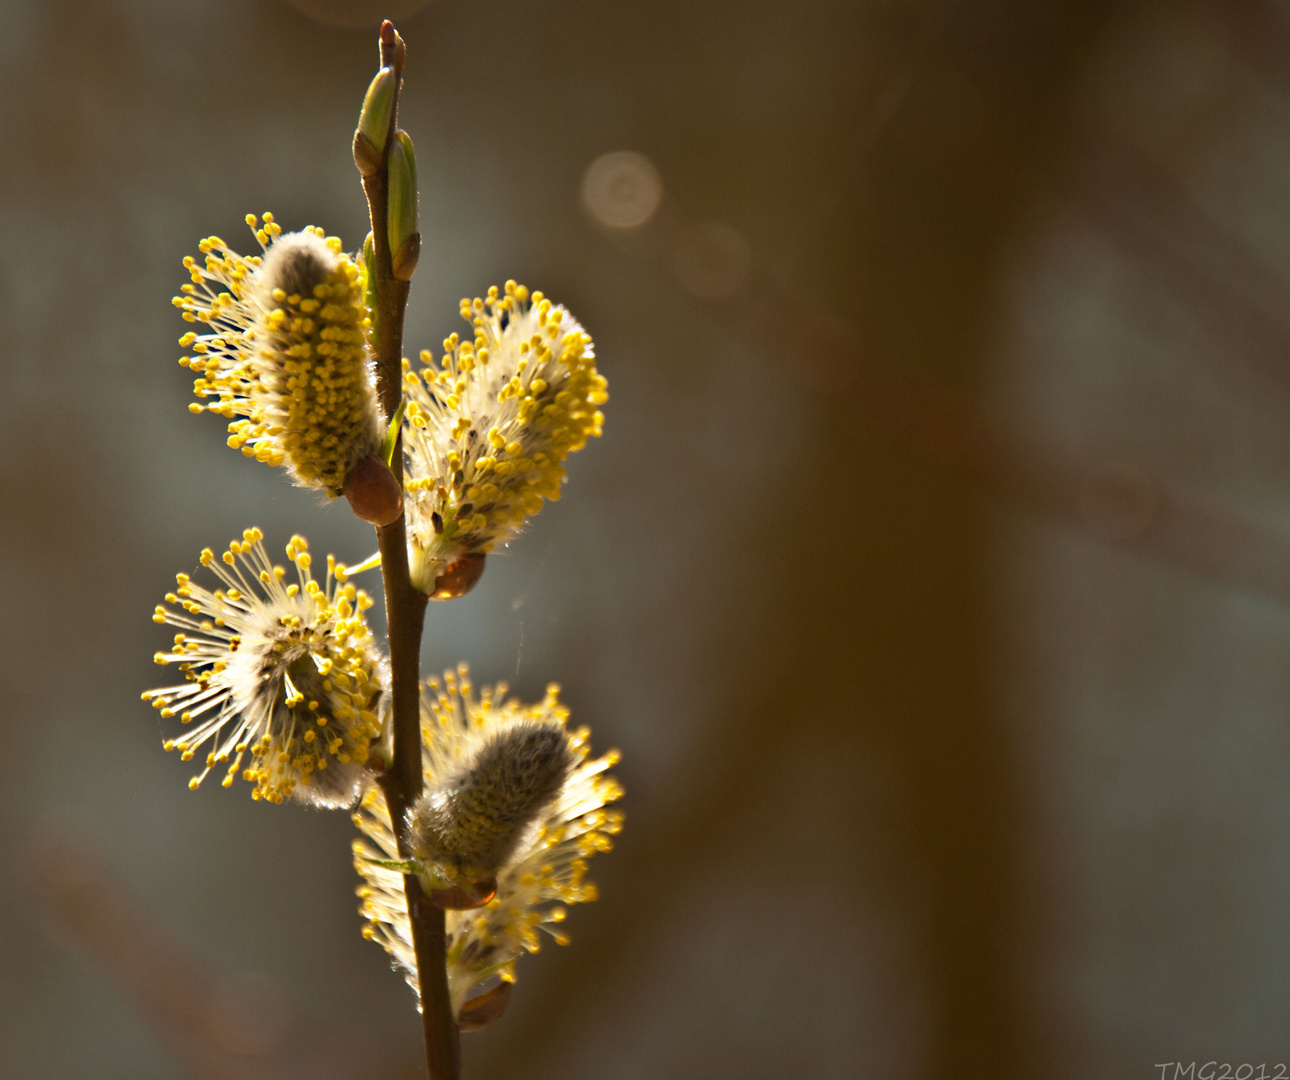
(478, 813)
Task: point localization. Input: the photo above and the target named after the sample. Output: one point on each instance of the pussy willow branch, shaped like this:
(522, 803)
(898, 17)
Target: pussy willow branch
(405, 607)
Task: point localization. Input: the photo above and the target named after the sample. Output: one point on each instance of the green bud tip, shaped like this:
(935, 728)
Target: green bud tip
(405, 242)
(405, 141)
(374, 122)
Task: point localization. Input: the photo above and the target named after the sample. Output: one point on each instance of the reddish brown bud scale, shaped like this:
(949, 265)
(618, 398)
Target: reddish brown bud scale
(404, 261)
(366, 156)
(465, 897)
(484, 1009)
(373, 493)
(459, 577)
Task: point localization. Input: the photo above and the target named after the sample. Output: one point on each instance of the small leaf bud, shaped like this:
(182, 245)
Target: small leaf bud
(373, 493)
(405, 140)
(374, 122)
(405, 243)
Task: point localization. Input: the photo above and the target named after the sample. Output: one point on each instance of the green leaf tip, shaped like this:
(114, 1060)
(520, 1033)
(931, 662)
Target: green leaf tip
(392, 433)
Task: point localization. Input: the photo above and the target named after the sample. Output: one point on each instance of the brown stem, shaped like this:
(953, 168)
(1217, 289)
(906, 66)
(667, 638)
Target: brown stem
(405, 612)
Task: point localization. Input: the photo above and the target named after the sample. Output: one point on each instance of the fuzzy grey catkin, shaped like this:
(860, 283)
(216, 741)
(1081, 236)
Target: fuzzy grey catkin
(471, 824)
(295, 263)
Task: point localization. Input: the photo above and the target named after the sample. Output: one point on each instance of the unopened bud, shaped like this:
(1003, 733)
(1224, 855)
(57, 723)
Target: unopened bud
(484, 1009)
(373, 493)
(393, 50)
(459, 577)
(405, 243)
(469, 825)
(374, 122)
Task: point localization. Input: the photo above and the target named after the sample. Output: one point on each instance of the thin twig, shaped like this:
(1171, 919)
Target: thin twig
(405, 611)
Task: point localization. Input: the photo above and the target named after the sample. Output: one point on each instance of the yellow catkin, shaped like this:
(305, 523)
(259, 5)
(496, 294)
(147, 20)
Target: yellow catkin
(285, 355)
(488, 427)
(283, 683)
(547, 872)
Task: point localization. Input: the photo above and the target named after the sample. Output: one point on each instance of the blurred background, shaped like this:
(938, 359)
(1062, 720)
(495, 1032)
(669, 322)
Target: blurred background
(933, 572)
